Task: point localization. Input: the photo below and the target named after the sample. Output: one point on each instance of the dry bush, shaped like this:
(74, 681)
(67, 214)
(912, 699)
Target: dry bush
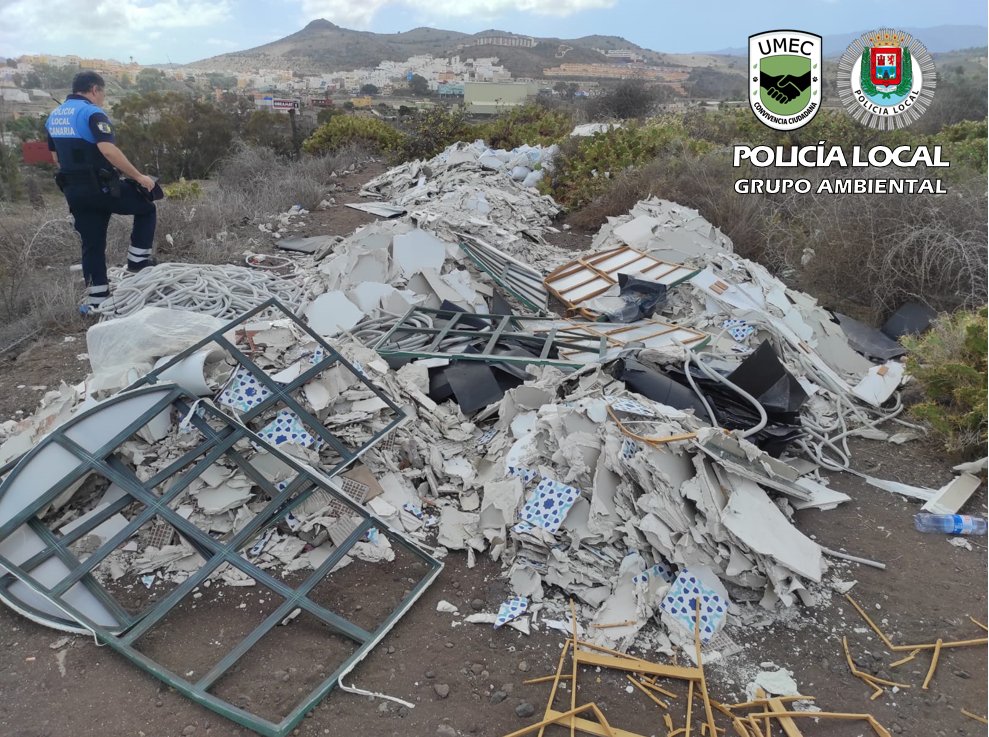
(702, 181)
(868, 254)
(250, 187)
(37, 290)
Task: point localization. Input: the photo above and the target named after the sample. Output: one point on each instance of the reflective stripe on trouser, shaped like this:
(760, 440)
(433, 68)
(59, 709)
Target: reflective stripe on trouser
(138, 255)
(96, 295)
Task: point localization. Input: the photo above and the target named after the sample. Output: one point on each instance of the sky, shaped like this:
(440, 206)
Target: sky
(182, 31)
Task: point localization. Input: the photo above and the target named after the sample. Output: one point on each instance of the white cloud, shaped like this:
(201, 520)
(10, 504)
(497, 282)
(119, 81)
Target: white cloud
(28, 26)
(359, 13)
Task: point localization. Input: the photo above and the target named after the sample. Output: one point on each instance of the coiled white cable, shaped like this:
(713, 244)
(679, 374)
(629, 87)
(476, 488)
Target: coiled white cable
(222, 291)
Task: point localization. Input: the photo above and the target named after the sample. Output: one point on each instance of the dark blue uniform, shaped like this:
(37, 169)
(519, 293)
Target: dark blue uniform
(94, 191)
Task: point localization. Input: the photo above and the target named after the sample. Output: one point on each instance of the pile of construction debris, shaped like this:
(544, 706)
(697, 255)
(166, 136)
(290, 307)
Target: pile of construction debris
(633, 427)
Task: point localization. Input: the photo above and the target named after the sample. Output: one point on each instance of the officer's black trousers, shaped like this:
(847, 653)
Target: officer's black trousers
(92, 216)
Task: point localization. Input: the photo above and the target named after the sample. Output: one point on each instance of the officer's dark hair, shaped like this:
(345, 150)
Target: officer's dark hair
(85, 81)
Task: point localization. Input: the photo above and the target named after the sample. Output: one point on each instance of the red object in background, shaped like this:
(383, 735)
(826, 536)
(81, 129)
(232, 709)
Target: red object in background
(36, 152)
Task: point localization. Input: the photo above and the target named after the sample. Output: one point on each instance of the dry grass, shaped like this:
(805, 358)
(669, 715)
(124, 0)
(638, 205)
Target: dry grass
(861, 254)
(37, 290)
(38, 243)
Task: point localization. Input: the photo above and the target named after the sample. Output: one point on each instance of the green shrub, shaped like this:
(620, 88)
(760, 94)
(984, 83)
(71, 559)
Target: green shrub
(950, 363)
(430, 131)
(183, 190)
(344, 130)
(587, 166)
(530, 124)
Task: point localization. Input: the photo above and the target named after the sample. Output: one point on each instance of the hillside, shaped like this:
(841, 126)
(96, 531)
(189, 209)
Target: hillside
(323, 46)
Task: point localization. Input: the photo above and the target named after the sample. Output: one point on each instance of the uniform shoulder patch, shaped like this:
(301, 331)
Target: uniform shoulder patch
(104, 127)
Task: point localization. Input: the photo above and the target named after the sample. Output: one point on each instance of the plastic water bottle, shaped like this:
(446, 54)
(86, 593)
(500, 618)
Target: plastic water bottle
(950, 524)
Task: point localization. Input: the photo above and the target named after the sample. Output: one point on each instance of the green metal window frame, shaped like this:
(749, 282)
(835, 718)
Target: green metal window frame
(217, 444)
(501, 331)
(281, 394)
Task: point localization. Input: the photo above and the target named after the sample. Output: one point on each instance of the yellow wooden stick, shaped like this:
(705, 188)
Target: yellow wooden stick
(934, 659)
(907, 648)
(556, 684)
(907, 659)
(592, 707)
(976, 717)
(651, 684)
(700, 665)
(544, 679)
(643, 689)
(573, 682)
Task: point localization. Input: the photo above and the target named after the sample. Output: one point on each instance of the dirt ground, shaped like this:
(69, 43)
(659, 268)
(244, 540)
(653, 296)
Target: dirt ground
(467, 679)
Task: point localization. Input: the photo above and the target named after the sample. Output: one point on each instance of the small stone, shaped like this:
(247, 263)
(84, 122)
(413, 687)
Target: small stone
(962, 674)
(498, 696)
(445, 730)
(448, 644)
(477, 669)
(159, 704)
(896, 728)
(383, 707)
(456, 584)
(508, 687)
(476, 604)
(430, 674)
(391, 649)
(524, 666)
(189, 730)
(442, 690)
(525, 710)
(403, 711)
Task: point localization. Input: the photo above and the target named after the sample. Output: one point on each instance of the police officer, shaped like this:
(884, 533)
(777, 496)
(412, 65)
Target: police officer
(80, 137)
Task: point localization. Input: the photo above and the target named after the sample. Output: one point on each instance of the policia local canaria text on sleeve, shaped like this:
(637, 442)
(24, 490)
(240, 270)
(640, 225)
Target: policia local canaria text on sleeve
(91, 167)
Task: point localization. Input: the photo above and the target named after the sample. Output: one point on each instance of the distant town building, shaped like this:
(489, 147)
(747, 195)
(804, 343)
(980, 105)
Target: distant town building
(489, 98)
(501, 39)
(622, 54)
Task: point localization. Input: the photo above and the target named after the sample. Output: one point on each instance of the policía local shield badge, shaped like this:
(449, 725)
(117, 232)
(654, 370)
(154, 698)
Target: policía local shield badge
(785, 78)
(886, 79)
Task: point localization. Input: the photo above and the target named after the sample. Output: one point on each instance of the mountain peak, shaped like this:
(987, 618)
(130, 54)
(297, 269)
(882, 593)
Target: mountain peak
(321, 24)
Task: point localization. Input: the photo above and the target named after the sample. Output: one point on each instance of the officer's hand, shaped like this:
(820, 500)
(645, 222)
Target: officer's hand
(147, 182)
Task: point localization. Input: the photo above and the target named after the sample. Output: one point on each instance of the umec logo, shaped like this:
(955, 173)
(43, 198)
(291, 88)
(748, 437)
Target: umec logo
(785, 78)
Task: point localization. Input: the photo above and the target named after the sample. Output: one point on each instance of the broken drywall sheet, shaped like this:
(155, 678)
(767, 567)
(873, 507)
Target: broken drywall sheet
(761, 526)
(951, 497)
(418, 250)
(331, 313)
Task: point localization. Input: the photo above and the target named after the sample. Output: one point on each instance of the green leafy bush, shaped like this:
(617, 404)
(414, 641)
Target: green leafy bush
(183, 190)
(344, 130)
(949, 361)
(430, 131)
(530, 124)
(587, 166)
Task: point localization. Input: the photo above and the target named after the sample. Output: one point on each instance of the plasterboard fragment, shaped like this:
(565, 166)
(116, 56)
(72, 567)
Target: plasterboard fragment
(951, 497)
(332, 312)
(760, 525)
(418, 250)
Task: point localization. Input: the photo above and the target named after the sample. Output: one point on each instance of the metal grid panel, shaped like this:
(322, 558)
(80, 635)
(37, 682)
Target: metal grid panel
(590, 276)
(652, 333)
(477, 337)
(521, 281)
(280, 395)
(220, 435)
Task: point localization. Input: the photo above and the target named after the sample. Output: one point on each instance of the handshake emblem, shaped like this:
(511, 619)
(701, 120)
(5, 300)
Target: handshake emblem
(784, 88)
(785, 77)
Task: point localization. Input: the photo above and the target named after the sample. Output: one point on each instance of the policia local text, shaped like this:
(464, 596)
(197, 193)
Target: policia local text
(821, 155)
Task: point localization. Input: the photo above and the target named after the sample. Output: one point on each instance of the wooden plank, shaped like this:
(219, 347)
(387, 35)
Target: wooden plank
(789, 726)
(586, 725)
(633, 665)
